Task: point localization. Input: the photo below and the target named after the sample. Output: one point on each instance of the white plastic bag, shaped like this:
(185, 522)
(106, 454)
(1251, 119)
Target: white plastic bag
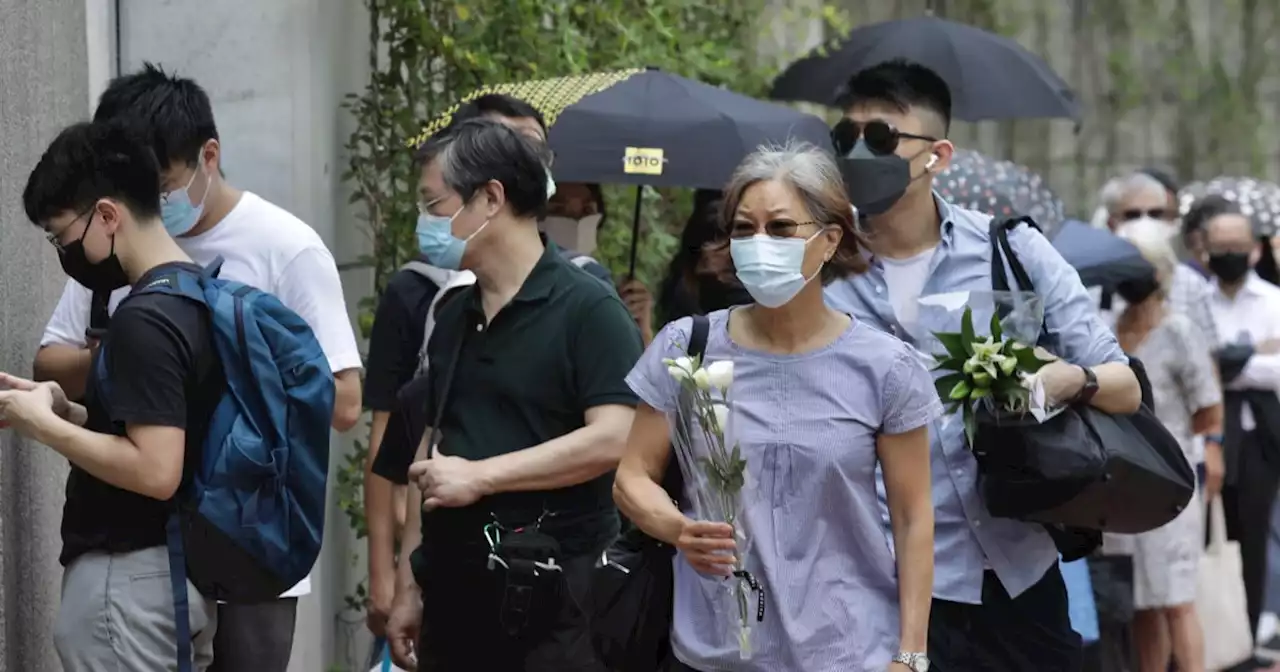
(1220, 597)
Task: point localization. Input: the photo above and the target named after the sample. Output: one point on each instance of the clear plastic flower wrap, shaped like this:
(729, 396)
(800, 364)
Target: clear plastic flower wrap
(716, 477)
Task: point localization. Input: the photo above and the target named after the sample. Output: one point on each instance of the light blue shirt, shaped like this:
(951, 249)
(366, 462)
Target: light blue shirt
(968, 539)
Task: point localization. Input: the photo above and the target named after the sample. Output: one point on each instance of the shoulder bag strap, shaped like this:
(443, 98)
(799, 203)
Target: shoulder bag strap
(673, 481)
(443, 401)
(1001, 252)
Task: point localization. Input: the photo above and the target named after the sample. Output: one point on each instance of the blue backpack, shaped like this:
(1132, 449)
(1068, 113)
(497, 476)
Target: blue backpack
(249, 523)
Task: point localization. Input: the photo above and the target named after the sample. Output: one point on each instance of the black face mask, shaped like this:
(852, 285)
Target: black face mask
(874, 182)
(105, 276)
(1230, 266)
(1136, 291)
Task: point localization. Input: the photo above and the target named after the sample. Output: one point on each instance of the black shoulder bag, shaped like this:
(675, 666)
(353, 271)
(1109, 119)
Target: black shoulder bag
(633, 585)
(1083, 470)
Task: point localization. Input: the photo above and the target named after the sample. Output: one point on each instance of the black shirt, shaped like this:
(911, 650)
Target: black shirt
(396, 337)
(563, 345)
(164, 371)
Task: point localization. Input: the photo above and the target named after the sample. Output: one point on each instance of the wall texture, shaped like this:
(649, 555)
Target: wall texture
(43, 86)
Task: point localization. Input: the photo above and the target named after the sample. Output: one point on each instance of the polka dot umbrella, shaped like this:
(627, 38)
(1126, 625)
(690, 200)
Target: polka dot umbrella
(1258, 199)
(999, 188)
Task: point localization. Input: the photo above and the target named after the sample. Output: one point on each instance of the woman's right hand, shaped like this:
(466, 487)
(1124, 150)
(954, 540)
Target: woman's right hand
(708, 547)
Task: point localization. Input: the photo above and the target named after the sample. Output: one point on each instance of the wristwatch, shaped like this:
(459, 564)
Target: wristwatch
(918, 662)
(1090, 388)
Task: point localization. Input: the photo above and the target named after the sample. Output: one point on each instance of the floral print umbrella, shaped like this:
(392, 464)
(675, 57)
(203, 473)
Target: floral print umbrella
(999, 188)
(1258, 199)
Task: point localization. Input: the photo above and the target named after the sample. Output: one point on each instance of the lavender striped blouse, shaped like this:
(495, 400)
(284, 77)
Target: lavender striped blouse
(807, 424)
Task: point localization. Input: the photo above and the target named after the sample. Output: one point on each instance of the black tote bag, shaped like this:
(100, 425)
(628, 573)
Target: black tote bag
(1083, 468)
(633, 586)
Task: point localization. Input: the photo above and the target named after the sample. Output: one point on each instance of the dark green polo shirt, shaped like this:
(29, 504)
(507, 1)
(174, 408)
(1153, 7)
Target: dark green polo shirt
(564, 344)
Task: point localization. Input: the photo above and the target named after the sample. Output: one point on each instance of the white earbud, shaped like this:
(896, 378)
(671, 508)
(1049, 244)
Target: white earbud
(933, 158)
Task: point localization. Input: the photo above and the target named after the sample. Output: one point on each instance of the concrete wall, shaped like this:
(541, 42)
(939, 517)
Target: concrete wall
(276, 71)
(42, 88)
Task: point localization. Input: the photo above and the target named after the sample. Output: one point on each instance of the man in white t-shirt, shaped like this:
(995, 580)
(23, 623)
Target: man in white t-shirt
(262, 245)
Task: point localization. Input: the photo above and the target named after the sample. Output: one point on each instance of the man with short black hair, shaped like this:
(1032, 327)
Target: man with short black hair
(999, 598)
(262, 245)
(526, 376)
(95, 195)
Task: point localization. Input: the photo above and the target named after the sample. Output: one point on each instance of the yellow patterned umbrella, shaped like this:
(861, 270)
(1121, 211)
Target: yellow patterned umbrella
(548, 96)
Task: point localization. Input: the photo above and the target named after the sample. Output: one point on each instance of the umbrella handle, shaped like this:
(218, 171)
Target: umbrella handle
(635, 230)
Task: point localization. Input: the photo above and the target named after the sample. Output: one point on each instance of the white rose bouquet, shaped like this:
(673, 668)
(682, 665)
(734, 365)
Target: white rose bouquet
(715, 471)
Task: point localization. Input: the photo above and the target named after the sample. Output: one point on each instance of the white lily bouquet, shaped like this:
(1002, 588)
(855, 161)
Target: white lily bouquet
(715, 471)
(994, 372)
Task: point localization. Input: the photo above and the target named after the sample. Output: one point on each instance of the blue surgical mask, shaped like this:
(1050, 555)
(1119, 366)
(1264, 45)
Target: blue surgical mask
(177, 211)
(437, 242)
(771, 269)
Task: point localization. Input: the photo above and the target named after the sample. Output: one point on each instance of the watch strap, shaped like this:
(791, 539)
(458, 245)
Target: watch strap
(1090, 387)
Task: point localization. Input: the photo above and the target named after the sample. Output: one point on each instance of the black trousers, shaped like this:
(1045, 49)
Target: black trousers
(1247, 501)
(1004, 634)
(462, 632)
(255, 636)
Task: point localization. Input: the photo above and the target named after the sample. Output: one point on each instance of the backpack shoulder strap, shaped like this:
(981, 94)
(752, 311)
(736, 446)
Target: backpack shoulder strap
(446, 292)
(673, 480)
(435, 274)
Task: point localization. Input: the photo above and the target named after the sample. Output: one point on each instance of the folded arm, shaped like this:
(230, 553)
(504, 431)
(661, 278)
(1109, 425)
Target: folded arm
(576, 457)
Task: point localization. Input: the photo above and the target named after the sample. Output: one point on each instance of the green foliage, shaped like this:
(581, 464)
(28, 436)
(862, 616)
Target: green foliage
(426, 54)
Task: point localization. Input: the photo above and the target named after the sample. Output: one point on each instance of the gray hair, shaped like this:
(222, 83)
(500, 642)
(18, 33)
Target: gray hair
(1117, 189)
(1155, 241)
(809, 170)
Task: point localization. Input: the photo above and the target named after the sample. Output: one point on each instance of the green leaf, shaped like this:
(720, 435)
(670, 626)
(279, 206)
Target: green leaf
(945, 384)
(967, 335)
(955, 344)
(996, 331)
(949, 363)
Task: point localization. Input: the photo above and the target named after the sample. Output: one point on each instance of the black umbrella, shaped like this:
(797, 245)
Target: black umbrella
(1000, 188)
(991, 77)
(1101, 257)
(652, 127)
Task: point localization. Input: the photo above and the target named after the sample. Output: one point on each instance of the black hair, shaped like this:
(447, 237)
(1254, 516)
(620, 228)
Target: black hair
(173, 114)
(902, 85)
(92, 161)
(1165, 179)
(476, 151)
(502, 105)
(1205, 210)
(684, 291)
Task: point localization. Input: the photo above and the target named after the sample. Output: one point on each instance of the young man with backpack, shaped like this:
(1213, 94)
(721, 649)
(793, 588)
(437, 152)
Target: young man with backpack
(261, 245)
(95, 195)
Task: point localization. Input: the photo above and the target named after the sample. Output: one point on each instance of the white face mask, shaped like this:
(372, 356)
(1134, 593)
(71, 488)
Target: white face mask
(1144, 221)
(578, 235)
(771, 269)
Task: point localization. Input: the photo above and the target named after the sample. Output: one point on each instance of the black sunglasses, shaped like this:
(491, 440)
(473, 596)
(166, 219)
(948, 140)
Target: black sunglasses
(1153, 213)
(881, 137)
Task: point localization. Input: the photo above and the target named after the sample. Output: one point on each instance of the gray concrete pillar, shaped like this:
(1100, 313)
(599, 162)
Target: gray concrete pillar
(43, 86)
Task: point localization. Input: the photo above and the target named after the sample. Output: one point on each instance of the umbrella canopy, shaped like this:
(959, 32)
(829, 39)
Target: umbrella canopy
(653, 127)
(999, 188)
(1101, 257)
(991, 77)
(1258, 199)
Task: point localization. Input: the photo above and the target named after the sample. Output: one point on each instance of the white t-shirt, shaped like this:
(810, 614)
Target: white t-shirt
(264, 246)
(905, 279)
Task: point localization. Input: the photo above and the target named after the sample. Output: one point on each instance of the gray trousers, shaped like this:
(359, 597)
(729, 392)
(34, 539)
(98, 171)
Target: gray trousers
(117, 614)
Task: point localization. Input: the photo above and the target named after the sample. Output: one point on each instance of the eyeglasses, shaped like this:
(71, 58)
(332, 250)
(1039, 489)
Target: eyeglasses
(1153, 213)
(774, 228)
(881, 137)
(55, 238)
(425, 206)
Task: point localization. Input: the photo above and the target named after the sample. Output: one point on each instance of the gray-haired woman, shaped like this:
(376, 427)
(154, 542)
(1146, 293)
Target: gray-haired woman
(1188, 402)
(819, 399)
